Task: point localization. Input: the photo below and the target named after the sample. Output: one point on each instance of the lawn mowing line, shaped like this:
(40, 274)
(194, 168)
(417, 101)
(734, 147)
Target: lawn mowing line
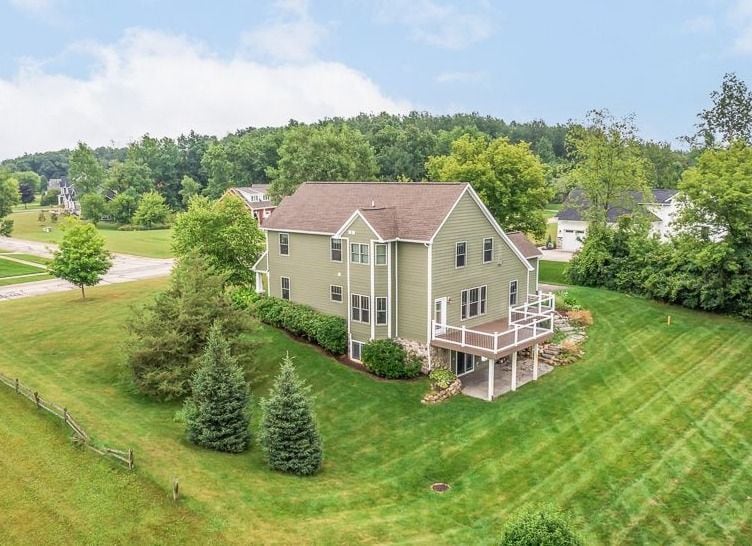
(594, 441)
(696, 429)
(10, 258)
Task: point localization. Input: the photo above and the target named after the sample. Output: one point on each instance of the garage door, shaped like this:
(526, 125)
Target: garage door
(569, 240)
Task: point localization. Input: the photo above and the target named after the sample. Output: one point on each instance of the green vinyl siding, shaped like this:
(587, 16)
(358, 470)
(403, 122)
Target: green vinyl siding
(310, 270)
(360, 274)
(535, 262)
(468, 223)
(411, 286)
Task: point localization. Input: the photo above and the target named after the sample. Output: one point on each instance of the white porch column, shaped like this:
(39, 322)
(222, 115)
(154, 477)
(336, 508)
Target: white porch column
(535, 362)
(514, 371)
(490, 379)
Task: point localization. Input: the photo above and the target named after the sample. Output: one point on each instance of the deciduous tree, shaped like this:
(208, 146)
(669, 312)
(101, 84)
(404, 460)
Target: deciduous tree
(329, 152)
(224, 232)
(730, 116)
(509, 179)
(93, 207)
(152, 210)
(82, 258)
(85, 171)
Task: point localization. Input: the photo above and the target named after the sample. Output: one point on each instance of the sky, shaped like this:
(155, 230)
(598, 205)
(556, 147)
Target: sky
(107, 72)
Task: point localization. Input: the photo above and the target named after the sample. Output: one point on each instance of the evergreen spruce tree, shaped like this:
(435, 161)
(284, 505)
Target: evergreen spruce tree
(217, 412)
(289, 434)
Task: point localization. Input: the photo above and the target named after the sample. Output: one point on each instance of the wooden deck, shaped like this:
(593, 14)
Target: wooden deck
(493, 339)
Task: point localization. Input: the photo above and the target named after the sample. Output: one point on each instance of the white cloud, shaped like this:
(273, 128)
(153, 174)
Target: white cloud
(460, 77)
(293, 37)
(437, 24)
(741, 17)
(164, 85)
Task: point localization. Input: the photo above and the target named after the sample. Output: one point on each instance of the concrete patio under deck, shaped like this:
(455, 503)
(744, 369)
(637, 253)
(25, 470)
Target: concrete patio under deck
(483, 345)
(475, 383)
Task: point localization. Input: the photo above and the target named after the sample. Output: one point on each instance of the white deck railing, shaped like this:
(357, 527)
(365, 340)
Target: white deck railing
(527, 321)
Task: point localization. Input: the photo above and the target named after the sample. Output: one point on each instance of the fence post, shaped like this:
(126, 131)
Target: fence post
(175, 489)
(65, 415)
(463, 335)
(36, 399)
(130, 459)
(16, 385)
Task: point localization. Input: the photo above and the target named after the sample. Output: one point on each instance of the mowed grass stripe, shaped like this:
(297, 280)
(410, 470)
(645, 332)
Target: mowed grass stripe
(579, 437)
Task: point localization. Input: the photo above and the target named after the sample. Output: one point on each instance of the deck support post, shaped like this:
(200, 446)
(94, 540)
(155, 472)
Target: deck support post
(514, 371)
(535, 362)
(491, 364)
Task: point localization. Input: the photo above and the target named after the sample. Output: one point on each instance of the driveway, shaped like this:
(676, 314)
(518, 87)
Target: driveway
(550, 255)
(125, 268)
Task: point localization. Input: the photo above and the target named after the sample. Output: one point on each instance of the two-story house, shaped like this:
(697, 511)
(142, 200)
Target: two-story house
(256, 198)
(423, 262)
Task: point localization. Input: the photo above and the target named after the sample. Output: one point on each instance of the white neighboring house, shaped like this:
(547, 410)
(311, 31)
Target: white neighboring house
(572, 227)
(256, 198)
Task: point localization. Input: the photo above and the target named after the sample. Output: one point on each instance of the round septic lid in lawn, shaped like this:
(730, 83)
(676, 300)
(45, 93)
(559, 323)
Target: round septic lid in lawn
(440, 487)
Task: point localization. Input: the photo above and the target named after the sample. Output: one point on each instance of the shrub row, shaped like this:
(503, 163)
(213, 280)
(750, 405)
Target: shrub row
(387, 358)
(327, 331)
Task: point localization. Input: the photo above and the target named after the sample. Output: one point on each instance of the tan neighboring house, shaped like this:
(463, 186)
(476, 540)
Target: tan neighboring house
(256, 198)
(422, 262)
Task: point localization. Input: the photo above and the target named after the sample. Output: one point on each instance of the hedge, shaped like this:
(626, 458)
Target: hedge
(387, 358)
(327, 331)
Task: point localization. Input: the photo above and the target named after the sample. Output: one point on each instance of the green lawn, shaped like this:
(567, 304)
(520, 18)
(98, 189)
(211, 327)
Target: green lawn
(646, 440)
(552, 272)
(9, 268)
(52, 493)
(153, 243)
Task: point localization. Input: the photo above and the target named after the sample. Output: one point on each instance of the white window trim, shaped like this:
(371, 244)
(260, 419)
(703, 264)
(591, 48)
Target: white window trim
(483, 250)
(376, 254)
(516, 292)
(352, 357)
(279, 243)
(456, 245)
(481, 288)
(376, 311)
(331, 240)
(360, 308)
(282, 289)
(360, 253)
(341, 293)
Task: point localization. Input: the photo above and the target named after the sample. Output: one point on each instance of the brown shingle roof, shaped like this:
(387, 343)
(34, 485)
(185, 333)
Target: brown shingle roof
(524, 245)
(411, 211)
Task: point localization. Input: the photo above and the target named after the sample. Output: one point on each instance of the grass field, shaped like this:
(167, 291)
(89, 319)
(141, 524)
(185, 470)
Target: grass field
(646, 440)
(52, 493)
(552, 272)
(154, 243)
(9, 269)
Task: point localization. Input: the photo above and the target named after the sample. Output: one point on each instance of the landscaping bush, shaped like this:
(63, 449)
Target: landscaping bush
(567, 302)
(387, 358)
(539, 527)
(153, 227)
(580, 317)
(442, 378)
(49, 199)
(327, 331)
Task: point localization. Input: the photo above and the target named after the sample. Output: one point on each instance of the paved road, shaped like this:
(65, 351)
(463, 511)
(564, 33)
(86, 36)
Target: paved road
(125, 268)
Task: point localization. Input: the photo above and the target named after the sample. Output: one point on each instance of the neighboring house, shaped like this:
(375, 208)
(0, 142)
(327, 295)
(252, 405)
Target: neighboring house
(422, 262)
(67, 198)
(54, 184)
(256, 198)
(572, 226)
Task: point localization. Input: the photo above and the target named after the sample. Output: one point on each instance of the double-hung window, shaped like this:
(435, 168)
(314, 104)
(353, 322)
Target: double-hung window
(335, 293)
(460, 254)
(336, 250)
(360, 308)
(488, 250)
(284, 244)
(381, 312)
(512, 292)
(473, 302)
(285, 287)
(358, 253)
(380, 254)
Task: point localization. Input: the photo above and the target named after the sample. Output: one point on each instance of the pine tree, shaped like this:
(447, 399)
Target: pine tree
(289, 434)
(217, 412)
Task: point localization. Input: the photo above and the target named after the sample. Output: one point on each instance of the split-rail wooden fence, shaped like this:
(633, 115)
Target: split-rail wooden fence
(80, 436)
